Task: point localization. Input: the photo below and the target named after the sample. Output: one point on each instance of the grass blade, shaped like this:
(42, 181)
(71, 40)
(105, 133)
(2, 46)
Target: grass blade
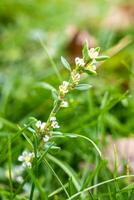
(67, 169)
(100, 184)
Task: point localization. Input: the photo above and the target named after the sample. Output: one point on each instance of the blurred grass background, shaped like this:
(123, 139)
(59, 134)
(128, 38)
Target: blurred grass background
(62, 26)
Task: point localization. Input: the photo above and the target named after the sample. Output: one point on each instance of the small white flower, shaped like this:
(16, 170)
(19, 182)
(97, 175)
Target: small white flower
(54, 123)
(64, 104)
(26, 159)
(40, 125)
(75, 77)
(46, 138)
(79, 61)
(93, 54)
(64, 87)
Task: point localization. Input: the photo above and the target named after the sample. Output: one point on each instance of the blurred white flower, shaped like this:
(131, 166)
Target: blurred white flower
(19, 179)
(75, 77)
(54, 123)
(26, 159)
(46, 138)
(64, 104)
(64, 87)
(16, 172)
(93, 54)
(79, 61)
(40, 125)
(37, 33)
(26, 188)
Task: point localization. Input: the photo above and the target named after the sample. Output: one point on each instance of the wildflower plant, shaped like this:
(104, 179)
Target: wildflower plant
(44, 132)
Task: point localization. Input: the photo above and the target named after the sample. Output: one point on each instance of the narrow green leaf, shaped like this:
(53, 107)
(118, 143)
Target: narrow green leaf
(85, 52)
(102, 58)
(72, 190)
(54, 94)
(67, 169)
(37, 184)
(72, 135)
(27, 139)
(56, 133)
(57, 190)
(90, 72)
(89, 176)
(128, 187)
(65, 63)
(45, 85)
(89, 140)
(83, 86)
(55, 148)
(57, 177)
(97, 49)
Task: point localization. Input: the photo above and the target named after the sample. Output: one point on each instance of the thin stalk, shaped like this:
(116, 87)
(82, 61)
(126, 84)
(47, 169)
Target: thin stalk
(36, 167)
(32, 191)
(55, 109)
(10, 168)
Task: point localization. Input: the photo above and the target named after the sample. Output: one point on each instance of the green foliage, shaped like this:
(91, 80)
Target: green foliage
(65, 63)
(102, 58)
(33, 37)
(83, 86)
(85, 52)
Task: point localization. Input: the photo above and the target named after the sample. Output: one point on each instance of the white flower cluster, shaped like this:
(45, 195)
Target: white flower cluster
(93, 54)
(54, 123)
(75, 77)
(26, 158)
(40, 125)
(79, 62)
(64, 87)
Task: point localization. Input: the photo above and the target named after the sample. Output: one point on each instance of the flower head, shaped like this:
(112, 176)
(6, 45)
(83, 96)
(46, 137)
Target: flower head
(79, 61)
(40, 125)
(54, 123)
(64, 87)
(93, 54)
(75, 77)
(26, 159)
(64, 104)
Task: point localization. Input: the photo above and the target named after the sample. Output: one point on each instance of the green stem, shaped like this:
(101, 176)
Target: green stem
(32, 191)
(10, 167)
(36, 166)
